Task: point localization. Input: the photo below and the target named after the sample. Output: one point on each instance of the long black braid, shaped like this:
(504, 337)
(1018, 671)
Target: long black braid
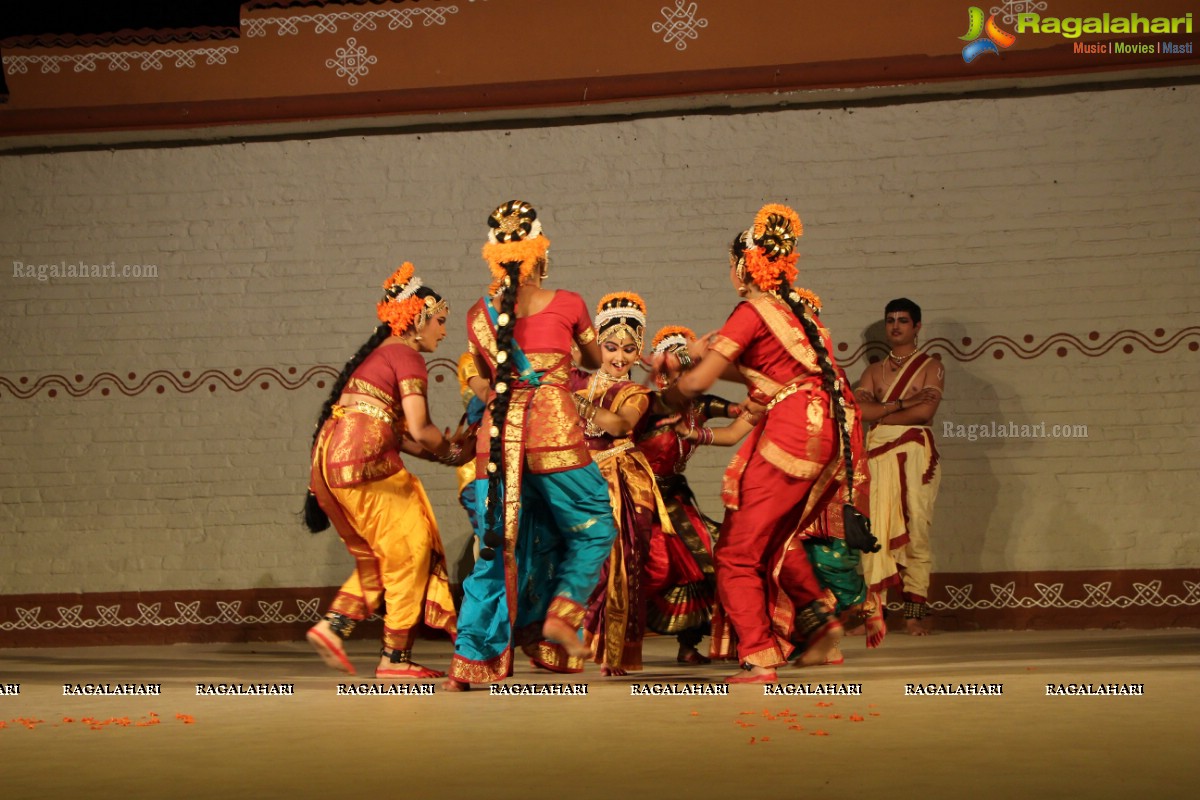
(829, 375)
(315, 519)
(505, 371)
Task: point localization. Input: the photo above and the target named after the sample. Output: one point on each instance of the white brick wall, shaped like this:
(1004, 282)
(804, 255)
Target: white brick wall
(1066, 213)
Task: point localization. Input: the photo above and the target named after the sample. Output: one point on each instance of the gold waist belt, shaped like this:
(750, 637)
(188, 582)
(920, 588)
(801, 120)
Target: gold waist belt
(363, 407)
(604, 455)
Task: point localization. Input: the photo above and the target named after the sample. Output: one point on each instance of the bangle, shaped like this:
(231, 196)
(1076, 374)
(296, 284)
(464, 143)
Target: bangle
(704, 436)
(452, 455)
(901, 402)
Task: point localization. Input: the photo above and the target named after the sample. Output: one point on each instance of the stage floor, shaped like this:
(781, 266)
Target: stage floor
(884, 742)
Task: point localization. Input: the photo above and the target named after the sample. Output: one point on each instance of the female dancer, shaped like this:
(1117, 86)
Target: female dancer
(617, 412)
(545, 522)
(844, 592)
(790, 466)
(376, 409)
(680, 584)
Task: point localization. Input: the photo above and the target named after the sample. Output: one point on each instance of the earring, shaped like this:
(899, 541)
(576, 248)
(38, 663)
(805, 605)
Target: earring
(545, 268)
(743, 290)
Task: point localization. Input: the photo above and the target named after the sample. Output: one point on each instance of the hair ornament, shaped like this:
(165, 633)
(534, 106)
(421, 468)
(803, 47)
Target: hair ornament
(771, 247)
(672, 337)
(514, 236)
(808, 298)
(400, 307)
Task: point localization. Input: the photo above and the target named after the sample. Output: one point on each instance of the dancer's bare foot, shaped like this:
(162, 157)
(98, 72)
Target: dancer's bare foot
(613, 672)
(914, 627)
(876, 625)
(857, 630)
(754, 675)
(690, 655)
(559, 632)
(835, 657)
(329, 647)
(400, 670)
(821, 644)
(452, 685)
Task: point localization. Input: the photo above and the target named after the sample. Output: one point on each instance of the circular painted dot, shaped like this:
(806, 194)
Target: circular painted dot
(132, 375)
(291, 370)
(997, 354)
(263, 385)
(1028, 338)
(24, 380)
(966, 341)
(187, 373)
(873, 359)
(1094, 335)
(439, 378)
(843, 347)
(1159, 332)
(1062, 352)
(79, 379)
(1128, 348)
(320, 384)
(53, 393)
(160, 389)
(1193, 346)
(104, 392)
(237, 372)
(212, 387)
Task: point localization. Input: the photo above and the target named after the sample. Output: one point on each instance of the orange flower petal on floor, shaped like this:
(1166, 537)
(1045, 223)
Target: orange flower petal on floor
(186, 719)
(819, 733)
(856, 718)
(751, 740)
(795, 727)
(695, 713)
(834, 716)
(874, 713)
(822, 704)
(765, 739)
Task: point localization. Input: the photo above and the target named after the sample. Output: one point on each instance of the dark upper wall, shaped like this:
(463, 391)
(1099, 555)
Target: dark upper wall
(324, 60)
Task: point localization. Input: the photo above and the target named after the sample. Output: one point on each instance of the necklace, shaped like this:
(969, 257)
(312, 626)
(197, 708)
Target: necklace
(899, 360)
(592, 429)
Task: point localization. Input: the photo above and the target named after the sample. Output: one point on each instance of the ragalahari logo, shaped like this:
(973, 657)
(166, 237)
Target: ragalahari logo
(984, 37)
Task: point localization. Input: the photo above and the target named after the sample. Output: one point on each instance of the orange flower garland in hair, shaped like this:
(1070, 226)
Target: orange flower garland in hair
(630, 299)
(515, 235)
(621, 312)
(808, 298)
(672, 330)
(400, 306)
(772, 261)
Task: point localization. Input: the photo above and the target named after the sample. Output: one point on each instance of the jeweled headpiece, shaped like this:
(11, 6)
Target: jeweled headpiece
(401, 308)
(514, 234)
(621, 313)
(672, 337)
(770, 256)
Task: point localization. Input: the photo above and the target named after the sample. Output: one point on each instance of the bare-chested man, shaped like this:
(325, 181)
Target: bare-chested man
(899, 396)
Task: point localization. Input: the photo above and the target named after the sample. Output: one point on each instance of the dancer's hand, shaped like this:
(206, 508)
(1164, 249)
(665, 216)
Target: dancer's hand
(697, 348)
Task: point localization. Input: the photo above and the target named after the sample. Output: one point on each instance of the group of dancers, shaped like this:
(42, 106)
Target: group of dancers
(588, 534)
